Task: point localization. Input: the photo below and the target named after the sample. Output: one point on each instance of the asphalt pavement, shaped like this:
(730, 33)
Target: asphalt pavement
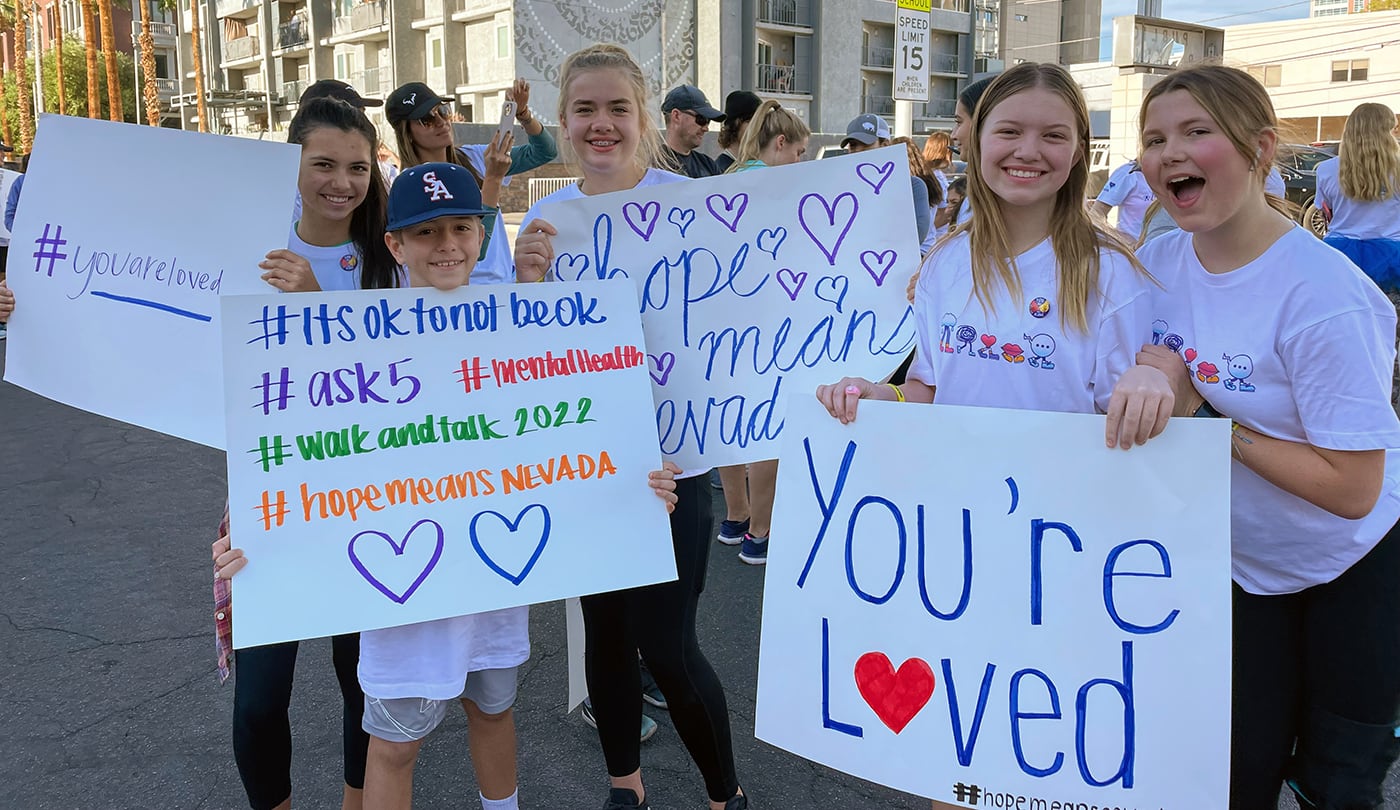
(108, 692)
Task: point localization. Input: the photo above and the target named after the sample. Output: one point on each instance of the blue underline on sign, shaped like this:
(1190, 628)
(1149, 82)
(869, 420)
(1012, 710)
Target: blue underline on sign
(154, 305)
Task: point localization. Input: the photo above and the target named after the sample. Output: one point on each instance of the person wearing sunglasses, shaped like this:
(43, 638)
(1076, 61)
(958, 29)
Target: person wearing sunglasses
(422, 122)
(688, 115)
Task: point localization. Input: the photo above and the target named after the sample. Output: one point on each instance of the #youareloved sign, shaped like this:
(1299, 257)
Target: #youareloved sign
(1009, 614)
(754, 287)
(404, 455)
(124, 239)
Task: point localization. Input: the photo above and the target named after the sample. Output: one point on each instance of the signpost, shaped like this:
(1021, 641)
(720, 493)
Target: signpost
(911, 50)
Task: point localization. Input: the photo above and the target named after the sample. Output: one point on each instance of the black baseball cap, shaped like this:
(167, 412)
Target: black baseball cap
(740, 105)
(335, 88)
(432, 190)
(4, 147)
(411, 102)
(689, 97)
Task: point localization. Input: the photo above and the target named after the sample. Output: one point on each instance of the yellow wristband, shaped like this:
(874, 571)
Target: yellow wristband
(898, 394)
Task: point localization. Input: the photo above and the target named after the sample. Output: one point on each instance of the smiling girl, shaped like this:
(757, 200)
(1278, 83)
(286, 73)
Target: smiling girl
(606, 124)
(1030, 305)
(1306, 344)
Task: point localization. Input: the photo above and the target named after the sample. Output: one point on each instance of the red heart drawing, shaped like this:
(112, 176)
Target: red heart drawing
(1190, 355)
(989, 340)
(895, 696)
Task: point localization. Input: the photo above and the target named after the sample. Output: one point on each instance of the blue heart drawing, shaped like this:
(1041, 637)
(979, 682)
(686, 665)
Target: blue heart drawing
(833, 289)
(681, 218)
(577, 265)
(398, 548)
(774, 237)
(512, 526)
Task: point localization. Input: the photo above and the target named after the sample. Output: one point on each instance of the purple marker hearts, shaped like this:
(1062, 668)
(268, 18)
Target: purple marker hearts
(642, 218)
(397, 567)
(664, 363)
(875, 176)
(827, 223)
(791, 282)
(681, 218)
(512, 527)
(727, 209)
(877, 264)
(770, 239)
(833, 289)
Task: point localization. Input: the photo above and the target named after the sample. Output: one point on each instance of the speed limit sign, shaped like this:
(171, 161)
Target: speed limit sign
(911, 50)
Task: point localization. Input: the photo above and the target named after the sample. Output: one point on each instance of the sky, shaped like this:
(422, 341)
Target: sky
(1219, 13)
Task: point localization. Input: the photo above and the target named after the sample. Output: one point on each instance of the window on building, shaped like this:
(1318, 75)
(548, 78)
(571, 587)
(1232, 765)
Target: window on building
(502, 41)
(1268, 75)
(162, 66)
(1021, 18)
(1354, 70)
(435, 53)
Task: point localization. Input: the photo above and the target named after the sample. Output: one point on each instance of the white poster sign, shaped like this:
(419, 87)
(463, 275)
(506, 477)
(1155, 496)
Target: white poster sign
(911, 50)
(754, 287)
(124, 239)
(404, 455)
(991, 609)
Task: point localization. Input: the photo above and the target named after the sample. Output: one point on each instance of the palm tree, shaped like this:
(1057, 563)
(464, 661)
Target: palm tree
(94, 103)
(147, 43)
(198, 67)
(109, 49)
(7, 25)
(58, 57)
(26, 111)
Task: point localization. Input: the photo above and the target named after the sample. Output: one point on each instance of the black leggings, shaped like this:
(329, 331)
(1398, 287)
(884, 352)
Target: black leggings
(262, 736)
(659, 621)
(1317, 688)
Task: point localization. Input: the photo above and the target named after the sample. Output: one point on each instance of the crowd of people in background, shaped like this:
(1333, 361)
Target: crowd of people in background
(1001, 208)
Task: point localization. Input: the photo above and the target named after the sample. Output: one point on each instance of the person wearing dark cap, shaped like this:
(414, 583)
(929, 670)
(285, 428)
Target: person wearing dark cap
(335, 88)
(739, 109)
(870, 131)
(423, 129)
(688, 115)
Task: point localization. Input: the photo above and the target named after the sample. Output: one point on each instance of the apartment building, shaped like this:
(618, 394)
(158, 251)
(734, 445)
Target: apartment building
(1333, 8)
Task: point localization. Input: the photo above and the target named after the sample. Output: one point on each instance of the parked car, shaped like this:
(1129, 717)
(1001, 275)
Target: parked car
(1298, 165)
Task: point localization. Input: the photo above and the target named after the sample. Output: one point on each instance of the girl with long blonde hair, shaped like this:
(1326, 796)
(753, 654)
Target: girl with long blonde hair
(1360, 192)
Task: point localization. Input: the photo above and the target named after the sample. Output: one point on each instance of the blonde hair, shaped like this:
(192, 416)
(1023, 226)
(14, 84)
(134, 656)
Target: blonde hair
(937, 155)
(1238, 104)
(1074, 237)
(606, 56)
(1369, 155)
(770, 121)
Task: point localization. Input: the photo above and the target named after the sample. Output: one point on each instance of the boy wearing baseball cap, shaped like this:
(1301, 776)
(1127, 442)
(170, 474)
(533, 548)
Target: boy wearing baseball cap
(412, 674)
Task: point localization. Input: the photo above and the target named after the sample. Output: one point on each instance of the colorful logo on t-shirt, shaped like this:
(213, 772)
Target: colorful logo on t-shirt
(349, 262)
(1042, 346)
(1040, 307)
(1239, 367)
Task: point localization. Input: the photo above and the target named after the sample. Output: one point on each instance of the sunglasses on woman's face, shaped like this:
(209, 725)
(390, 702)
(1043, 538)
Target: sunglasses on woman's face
(443, 111)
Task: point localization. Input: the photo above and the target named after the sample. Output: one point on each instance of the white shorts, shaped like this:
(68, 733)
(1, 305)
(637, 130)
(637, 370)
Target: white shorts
(410, 719)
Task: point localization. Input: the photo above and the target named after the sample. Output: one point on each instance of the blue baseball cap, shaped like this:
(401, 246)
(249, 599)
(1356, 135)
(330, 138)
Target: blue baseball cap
(430, 191)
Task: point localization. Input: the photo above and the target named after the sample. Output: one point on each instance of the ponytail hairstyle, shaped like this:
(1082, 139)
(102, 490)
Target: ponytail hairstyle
(767, 124)
(1238, 104)
(378, 270)
(937, 156)
(918, 168)
(1369, 155)
(1075, 239)
(606, 56)
(409, 157)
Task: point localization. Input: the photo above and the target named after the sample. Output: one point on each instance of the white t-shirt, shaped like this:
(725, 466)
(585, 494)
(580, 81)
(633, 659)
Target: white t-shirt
(1355, 219)
(432, 659)
(336, 267)
(1273, 184)
(1017, 354)
(1298, 345)
(498, 265)
(1127, 190)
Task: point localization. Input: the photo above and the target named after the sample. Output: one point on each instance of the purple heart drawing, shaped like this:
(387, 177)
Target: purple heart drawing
(791, 282)
(664, 363)
(512, 526)
(570, 266)
(877, 264)
(681, 218)
(833, 289)
(834, 219)
(774, 237)
(730, 209)
(642, 218)
(399, 549)
(875, 176)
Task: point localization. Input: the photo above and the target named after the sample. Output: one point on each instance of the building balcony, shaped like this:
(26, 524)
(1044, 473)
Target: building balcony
(294, 33)
(429, 10)
(241, 49)
(365, 21)
(782, 79)
(879, 105)
(938, 109)
(945, 64)
(167, 88)
(291, 91)
(164, 33)
(373, 82)
(785, 13)
(878, 56)
(463, 10)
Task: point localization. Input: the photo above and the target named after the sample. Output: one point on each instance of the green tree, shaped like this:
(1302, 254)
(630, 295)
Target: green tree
(74, 68)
